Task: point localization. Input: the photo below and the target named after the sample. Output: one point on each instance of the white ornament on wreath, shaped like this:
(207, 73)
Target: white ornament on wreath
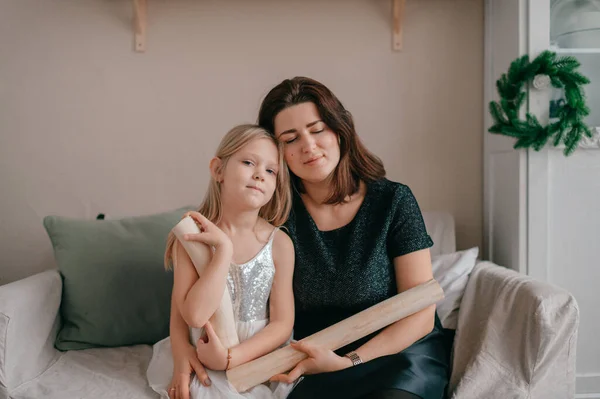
(541, 82)
(593, 142)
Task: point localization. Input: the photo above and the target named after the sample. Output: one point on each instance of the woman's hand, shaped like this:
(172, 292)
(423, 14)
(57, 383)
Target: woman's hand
(184, 364)
(212, 353)
(320, 360)
(209, 234)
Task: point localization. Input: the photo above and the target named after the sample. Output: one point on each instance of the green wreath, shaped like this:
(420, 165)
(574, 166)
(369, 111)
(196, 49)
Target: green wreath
(542, 72)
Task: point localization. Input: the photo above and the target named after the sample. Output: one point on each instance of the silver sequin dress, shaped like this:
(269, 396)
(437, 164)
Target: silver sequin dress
(249, 285)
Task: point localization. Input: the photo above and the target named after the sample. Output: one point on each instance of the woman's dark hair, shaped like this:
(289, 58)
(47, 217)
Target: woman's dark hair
(356, 162)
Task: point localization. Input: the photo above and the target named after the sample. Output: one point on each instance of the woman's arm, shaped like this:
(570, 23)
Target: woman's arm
(411, 270)
(281, 307)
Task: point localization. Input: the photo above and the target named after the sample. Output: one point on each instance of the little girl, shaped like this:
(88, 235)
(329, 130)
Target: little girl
(247, 196)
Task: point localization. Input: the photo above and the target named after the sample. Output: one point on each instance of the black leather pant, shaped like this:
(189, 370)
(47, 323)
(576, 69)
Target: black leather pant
(390, 394)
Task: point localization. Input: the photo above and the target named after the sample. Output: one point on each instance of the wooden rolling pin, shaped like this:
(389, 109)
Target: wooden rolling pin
(222, 320)
(257, 371)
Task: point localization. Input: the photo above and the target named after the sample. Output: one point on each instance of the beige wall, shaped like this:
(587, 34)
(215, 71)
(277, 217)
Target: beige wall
(88, 126)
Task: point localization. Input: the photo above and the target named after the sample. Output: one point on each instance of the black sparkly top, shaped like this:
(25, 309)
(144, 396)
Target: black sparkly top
(341, 272)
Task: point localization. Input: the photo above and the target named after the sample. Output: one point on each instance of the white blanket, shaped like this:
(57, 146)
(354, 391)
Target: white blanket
(516, 338)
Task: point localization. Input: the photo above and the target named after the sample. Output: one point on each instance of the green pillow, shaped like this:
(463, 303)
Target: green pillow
(115, 289)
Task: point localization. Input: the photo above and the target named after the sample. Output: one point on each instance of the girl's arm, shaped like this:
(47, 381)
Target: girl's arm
(198, 298)
(185, 361)
(281, 307)
(178, 330)
(183, 280)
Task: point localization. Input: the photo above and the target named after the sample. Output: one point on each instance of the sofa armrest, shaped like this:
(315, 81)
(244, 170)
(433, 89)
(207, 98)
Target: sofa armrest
(516, 338)
(29, 322)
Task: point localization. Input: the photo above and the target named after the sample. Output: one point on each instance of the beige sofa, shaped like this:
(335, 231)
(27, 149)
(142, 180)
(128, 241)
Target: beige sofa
(516, 338)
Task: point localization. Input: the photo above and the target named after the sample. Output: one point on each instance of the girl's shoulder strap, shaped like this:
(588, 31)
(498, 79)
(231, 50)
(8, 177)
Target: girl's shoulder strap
(272, 236)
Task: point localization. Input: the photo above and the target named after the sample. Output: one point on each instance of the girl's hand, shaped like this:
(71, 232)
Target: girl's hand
(319, 360)
(209, 234)
(212, 353)
(185, 363)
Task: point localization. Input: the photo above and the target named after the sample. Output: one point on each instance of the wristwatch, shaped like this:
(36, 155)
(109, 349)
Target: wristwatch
(356, 360)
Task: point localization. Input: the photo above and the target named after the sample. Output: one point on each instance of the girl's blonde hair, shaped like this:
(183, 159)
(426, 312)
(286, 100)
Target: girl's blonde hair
(275, 211)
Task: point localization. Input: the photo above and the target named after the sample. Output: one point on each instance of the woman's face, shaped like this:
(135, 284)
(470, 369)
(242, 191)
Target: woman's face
(310, 148)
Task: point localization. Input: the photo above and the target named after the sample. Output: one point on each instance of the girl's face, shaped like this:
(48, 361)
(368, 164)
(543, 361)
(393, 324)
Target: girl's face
(250, 175)
(311, 148)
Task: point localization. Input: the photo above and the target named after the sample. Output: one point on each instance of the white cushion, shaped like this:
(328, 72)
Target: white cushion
(440, 227)
(107, 373)
(452, 271)
(28, 325)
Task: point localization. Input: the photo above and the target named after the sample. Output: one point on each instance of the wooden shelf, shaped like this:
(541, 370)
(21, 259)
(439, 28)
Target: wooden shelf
(139, 24)
(577, 50)
(140, 20)
(398, 17)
